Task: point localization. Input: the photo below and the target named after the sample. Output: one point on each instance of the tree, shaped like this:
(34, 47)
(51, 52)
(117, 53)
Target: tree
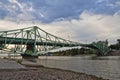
(115, 46)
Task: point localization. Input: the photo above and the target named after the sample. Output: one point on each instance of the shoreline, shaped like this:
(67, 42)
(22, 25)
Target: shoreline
(33, 65)
(44, 73)
(35, 72)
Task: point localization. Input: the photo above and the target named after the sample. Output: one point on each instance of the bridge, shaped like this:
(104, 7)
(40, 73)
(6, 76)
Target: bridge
(33, 41)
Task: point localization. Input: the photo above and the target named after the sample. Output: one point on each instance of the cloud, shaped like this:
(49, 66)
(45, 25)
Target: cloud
(16, 11)
(79, 20)
(90, 27)
(49, 11)
(118, 3)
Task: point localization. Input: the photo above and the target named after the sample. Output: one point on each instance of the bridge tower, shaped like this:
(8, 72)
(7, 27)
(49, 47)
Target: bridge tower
(31, 47)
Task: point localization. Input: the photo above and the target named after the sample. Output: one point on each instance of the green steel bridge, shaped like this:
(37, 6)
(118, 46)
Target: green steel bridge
(33, 41)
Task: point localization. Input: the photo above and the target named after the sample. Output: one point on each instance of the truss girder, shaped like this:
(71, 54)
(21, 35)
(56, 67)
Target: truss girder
(34, 36)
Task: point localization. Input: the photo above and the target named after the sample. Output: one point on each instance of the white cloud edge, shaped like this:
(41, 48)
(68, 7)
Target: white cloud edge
(98, 27)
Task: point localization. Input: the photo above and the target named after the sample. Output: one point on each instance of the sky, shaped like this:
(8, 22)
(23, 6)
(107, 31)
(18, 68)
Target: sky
(83, 21)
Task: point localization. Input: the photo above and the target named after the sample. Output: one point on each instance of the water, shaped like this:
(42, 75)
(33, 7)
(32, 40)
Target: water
(106, 67)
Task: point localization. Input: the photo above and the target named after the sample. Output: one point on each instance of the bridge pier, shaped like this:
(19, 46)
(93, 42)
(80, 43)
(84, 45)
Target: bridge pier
(30, 52)
(2, 46)
(30, 47)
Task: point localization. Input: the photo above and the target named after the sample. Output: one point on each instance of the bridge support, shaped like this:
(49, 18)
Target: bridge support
(1, 46)
(30, 52)
(101, 47)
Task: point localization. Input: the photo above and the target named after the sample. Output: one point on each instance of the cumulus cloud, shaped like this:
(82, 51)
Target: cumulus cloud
(16, 11)
(49, 11)
(75, 20)
(90, 27)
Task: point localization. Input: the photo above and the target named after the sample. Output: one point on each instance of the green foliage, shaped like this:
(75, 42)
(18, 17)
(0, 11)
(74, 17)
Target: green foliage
(115, 46)
(73, 52)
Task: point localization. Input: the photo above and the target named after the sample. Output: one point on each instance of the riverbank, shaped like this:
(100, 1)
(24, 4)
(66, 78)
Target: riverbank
(43, 73)
(40, 73)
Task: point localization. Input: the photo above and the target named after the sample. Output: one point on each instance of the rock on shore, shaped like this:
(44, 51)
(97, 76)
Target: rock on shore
(43, 73)
(14, 71)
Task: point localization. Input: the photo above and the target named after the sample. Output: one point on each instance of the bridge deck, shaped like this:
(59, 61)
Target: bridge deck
(9, 40)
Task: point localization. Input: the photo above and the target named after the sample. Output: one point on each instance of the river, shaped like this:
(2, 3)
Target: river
(107, 67)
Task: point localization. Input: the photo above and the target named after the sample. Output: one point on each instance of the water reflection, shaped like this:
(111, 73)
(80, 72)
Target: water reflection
(106, 67)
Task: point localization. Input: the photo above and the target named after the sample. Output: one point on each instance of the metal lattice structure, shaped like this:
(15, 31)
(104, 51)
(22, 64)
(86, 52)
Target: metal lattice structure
(32, 40)
(101, 47)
